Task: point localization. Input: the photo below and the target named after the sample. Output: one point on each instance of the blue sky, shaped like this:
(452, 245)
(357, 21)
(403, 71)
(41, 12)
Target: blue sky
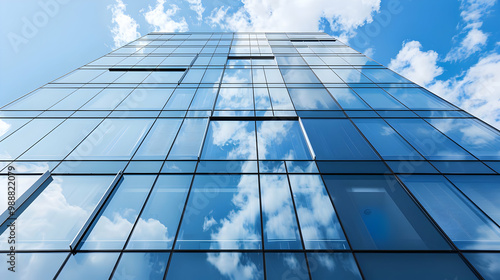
(451, 47)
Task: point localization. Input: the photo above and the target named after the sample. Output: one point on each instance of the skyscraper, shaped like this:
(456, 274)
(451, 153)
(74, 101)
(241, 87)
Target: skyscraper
(245, 156)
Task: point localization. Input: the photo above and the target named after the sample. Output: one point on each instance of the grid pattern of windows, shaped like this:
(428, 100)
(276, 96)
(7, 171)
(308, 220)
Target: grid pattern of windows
(248, 156)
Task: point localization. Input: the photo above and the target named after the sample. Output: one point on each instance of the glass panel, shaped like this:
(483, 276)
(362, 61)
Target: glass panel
(235, 99)
(348, 99)
(34, 266)
(431, 143)
(57, 214)
(62, 140)
(141, 266)
(113, 225)
(113, 139)
(80, 76)
(273, 75)
(258, 76)
(387, 266)
(172, 77)
(106, 99)
(159, 220)
(193, 76)
(386, 141)
(484, 191)
(212, 76)
(466, 225)
(262, 99)
(337, 139)
(383, 75)
(211, 266)
(378, 99)
(12, 146)
(351, 76)
(478, 138)
(230, 140)
(318, 222)
(159, 139)
(40, 99)
(377, 214)
(327, 76)
(180, 100)
(146, 99)
(86, 266)
(419, 99)
(486, 264)
(312, 99)
(281, 140)
(76, 99)
(204, 99)
(133, 77)
(294, 75)
(286, 266)
(242, 76)
(333, 266)
(222, 213)
(278, 216)
(8, 126)
(188, 142)
(280, 99)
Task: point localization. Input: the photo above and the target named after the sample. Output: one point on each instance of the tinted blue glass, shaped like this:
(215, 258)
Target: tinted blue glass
(348, 99)
(278, 215)
(34, 266)
(180, 99)
(419, 99)
(80, 76)
(351, 76)
(289, 60)
(178, 167)
(286, 266)
(211, 266)
(141, 266)
(459, 167)
(273, 75)
(272, 167)
(281, 140)
(484, 191)
(385, 140)
(235, 99)
(478, 138)
(337, 139)
(378, 99)
(378, 214)
(242, 75)
(387, 266)
(212, 76)
(318, 222)
(53, 219)
(431, 143)
(146, 99)
(222, 213)
(114, 223)
(107, 99)
(262, 99)
(486, 264)
(312, 99)
(333, 266)
(232, 166)
(194, 75)
(40, 99)
(159, 220)
(301, 167)
(383, 75)
(230, 140)
(280, 99)
(294, 75)
(8, 126)
(204, 99)
(188, 142)
(89, 266)
(159, 139)
(326, 75)
(466, 225)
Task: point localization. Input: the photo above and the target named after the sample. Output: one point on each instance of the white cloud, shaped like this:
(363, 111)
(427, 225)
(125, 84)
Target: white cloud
(472, 12)
(413, 63)
(296, 15)
(125, 27)
(196, 6)
(162, 20)
(369, 52)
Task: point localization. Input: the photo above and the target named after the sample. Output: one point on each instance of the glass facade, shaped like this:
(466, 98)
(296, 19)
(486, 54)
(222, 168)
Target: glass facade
(246, 156)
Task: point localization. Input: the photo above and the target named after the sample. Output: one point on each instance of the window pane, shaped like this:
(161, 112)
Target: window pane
(281, 140)
(194, 75)
(113, 225)
(484, 191)
(273, 75)
(280, 99)
(106, 99)
(286, 266)
(80, 76)
(262, 99)
(159, 220)
(475, 136)
(34, 266)
(180, 99)
(327, 76)
(383, 75)
(333, 266)
(76, 99)
(141, 266)
(41, 99)
(387, 142)
(235, 99)
(159, 139)
(431, 143)
(230, 140)
(278, 216)
(318, 222)
(337, 139)
(462, 221)
(232, 75)
(351, 76)
(204, 99)
(378, 99)
(486, 264)
(294, 75)
(387, 266)
(113, 139)
(57, 214)
(89, 266)
(348, 99)
(164, 77)
(377, 214)
(223, 212)
(188, 141)
(312, 99)
(419, 99)
(212, 266)
(212, 76)
(8, 126)
(146, 99)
